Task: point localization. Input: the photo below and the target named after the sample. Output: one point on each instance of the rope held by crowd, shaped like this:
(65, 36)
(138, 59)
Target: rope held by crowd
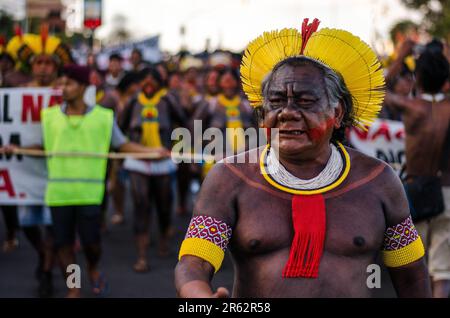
(112, 155)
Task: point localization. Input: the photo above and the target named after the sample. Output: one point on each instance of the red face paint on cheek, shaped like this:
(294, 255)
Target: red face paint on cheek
(318, 132)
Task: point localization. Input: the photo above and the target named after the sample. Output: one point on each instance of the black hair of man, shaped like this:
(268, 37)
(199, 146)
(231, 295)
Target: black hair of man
(153, 72)
(116, 56)
(229, 70)
(402, 27)
(432, 69)
(127, 80)
(137, 51)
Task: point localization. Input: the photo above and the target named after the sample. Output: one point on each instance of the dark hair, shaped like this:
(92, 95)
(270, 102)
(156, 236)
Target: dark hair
(432, 68)
(335, 89)
(116, 56)
(153, 72)
(231, 71)
(435, 46)
(402, 27)
(8, 57)
(164, 66)
(127, 80)
(136, 50)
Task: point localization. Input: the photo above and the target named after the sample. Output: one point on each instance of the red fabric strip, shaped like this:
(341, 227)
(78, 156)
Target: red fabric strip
(308, 218)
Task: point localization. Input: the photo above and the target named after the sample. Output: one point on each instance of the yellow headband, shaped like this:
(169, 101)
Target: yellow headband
(340, 50)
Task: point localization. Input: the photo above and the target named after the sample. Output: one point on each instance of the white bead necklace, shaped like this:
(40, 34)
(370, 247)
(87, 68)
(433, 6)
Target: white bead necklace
(436, 98)
(327, 176)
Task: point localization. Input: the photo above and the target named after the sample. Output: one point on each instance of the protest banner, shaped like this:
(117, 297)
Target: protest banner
(23, 178)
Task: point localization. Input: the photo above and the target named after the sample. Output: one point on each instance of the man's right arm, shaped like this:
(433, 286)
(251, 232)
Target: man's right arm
(199, 257)
(400, 103)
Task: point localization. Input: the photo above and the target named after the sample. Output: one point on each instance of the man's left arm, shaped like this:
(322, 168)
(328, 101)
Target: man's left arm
(403, 251)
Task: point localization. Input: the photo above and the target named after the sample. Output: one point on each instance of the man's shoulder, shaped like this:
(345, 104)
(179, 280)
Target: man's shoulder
(246, 160)
(362, 160)
(363, 166)
(236, 168)
(380, 175)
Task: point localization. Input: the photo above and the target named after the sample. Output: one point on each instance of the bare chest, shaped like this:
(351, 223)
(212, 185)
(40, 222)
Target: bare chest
(354, 223)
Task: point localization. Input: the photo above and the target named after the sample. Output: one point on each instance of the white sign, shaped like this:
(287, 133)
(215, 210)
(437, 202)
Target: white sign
(23, 178)
(384, 140)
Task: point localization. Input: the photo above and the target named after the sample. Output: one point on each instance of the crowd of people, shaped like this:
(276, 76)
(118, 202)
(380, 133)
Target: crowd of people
(136, 110)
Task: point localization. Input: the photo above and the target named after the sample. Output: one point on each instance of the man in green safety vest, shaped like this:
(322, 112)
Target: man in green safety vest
(76, 186)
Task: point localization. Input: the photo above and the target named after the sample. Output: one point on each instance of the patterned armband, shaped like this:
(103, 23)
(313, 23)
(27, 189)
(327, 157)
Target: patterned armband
(207, 238)
(402, 244)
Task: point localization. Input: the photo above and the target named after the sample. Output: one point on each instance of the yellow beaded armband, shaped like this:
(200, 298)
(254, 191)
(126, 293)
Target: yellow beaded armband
(402, 244)
(207, 238)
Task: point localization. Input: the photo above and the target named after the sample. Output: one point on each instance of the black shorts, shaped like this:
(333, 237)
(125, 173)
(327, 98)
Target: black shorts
(68, 219)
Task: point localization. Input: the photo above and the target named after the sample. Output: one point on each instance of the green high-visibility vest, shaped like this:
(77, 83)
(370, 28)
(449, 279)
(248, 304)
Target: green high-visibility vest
(76, 180)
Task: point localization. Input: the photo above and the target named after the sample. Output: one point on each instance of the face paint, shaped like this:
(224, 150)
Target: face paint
(317, 133)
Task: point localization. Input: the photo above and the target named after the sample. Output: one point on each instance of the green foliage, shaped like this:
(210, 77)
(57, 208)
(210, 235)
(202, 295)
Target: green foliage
(436, 15)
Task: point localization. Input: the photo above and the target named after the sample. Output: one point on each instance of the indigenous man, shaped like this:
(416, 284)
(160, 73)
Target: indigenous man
(322, 211)
(211, 84)
(9, 76)
(229, 110)
(44, 55)
(427, 118)
(148, 120)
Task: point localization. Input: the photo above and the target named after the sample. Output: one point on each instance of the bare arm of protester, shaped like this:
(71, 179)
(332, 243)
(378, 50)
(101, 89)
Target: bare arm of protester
(193, 274)
(406, 265)
(9, 149)
(399, 102)
(396, 66)
(134, 147)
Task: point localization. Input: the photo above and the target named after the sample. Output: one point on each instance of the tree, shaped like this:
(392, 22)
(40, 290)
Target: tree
(436, 15)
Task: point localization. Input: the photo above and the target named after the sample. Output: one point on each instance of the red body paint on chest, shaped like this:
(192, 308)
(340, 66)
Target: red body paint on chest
(318, 132)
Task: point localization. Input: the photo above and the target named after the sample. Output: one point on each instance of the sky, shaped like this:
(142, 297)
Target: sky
(231, 24)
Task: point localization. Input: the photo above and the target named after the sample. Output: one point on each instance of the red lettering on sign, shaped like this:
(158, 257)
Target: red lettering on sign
(361, 134)
(400, 134)
(29, 107)
(7, 184)
(55, 100)
(383, 130)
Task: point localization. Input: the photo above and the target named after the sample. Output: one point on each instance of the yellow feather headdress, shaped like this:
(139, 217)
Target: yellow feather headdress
(341, 51)
(23, 47)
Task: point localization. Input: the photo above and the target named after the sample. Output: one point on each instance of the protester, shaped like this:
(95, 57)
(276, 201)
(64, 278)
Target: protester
(137, 62)
(335, 207)
(115, 71)
(427, 118)
(148, 120)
